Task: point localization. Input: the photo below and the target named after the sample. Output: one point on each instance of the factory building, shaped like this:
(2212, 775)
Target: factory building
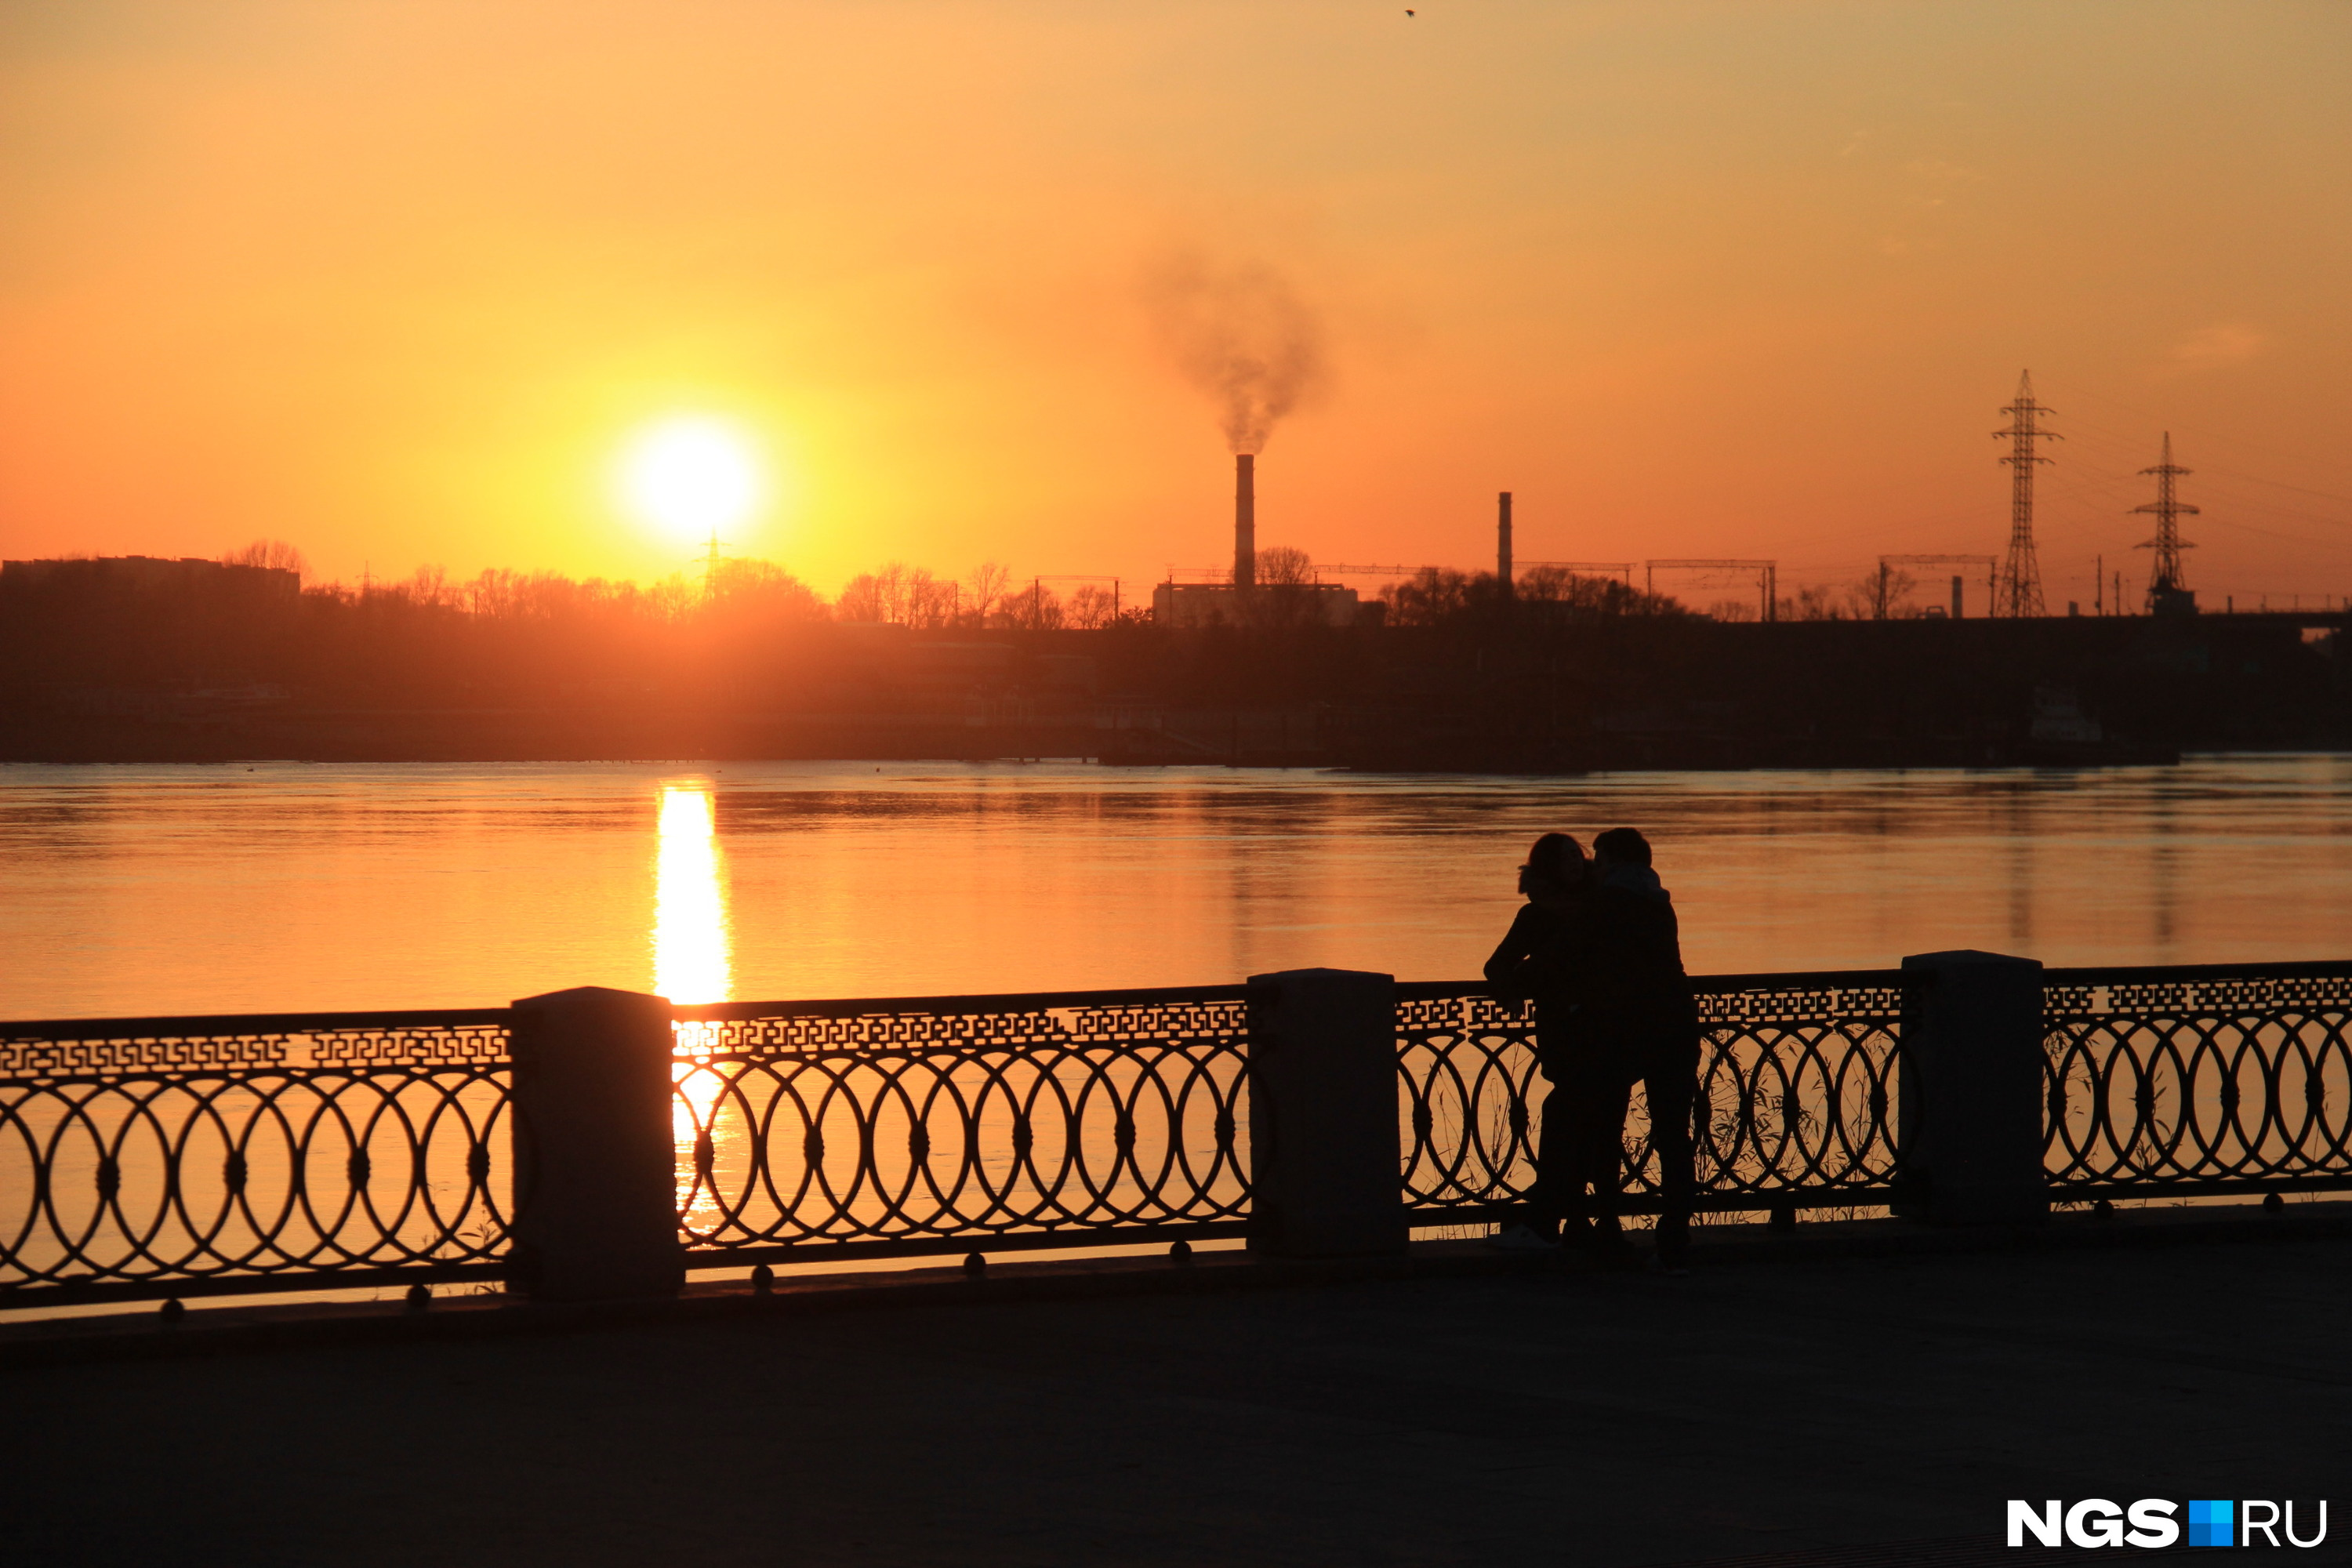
(1247, 602)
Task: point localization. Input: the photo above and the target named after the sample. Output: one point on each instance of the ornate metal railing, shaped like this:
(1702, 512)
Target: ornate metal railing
(894, 1126)
(188, 1156)
(1795, 1102)
(2215, 1079)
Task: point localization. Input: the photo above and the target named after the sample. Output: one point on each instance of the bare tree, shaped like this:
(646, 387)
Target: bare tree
(985, 588)
(1878, 596)
(429, 586)
(930, 601)
(1035, 609)
(1433, 594)
(1092, 606)
(761, 588)
(1594, 595)
(860, 599)
(274, 554)
(899, 595)
(1812, 604)
(1284, 567)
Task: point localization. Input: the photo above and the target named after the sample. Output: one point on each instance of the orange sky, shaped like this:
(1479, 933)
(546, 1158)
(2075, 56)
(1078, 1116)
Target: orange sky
(395, 280)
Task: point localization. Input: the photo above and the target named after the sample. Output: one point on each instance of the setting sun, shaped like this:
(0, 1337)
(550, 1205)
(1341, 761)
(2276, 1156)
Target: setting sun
(691, 476)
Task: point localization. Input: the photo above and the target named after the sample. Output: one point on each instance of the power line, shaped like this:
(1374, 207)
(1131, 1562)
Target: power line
(2224, 437)
(1767, 577)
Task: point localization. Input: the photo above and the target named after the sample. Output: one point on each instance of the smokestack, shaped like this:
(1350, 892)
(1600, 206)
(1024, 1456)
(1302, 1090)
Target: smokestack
(1244, 521)
(1503, 545)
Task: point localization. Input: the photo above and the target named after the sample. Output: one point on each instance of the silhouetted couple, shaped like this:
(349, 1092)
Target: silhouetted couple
(1596, 947)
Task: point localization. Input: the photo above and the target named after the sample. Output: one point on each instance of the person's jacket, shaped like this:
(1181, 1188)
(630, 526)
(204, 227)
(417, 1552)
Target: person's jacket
(1630, 970)
(1540, 958)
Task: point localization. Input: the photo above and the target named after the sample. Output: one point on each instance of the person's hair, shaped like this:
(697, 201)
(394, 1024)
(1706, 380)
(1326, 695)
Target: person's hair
(1624, 844)
(1556, 858)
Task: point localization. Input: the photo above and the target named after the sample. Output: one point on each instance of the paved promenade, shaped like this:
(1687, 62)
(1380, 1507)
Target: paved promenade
(1549, 1418)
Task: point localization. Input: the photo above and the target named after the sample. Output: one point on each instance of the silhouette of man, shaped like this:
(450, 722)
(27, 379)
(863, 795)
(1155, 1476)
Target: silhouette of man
(1644, 1021)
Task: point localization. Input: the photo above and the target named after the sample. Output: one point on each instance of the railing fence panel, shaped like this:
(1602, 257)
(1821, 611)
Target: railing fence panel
(2197, 1081)
(148, 1157)
(847, 1131)
(1796, 1085)
(226, 1153)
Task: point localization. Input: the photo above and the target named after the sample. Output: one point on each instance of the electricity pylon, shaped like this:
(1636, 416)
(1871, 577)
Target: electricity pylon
(710, 567)
(2018, 592)
(2166, 590)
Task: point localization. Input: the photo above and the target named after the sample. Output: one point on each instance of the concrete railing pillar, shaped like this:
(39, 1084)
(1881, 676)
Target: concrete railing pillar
(595, 1174)
(1969, 1132)
(1324, 1153)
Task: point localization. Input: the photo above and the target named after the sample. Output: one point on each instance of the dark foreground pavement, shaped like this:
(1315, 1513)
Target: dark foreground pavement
(1545, 1418)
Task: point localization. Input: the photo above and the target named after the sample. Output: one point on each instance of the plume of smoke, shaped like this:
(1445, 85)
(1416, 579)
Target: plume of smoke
(1241, 334)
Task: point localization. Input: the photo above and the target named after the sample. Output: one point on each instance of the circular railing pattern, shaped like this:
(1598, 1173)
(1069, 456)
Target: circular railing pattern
(212, 1158)
(1796, 1091)
(808, 1131)
(1468, 1089)
(2210, 1084)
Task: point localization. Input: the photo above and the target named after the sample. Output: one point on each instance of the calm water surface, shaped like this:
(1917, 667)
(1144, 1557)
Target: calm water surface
(128, 891)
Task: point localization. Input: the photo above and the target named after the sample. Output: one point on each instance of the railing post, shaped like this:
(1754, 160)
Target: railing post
(1970, 1133)
(1324, 1154)
(595, 1174)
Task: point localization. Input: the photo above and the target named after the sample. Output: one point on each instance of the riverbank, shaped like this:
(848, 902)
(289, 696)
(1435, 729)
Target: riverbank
(1510, 696)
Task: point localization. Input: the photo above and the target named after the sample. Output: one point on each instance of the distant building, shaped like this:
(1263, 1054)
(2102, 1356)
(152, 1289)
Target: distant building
(188, 577)
(1284, 605)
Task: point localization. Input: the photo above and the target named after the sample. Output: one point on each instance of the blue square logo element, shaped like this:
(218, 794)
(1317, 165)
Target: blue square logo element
(2209, 1523)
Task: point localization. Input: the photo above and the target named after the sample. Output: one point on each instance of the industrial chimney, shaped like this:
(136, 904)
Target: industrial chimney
(1503, 543)
(1244, 521)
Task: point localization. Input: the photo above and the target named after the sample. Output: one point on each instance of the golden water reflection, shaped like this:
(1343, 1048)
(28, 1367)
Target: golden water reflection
(693, 953)
(693, 950)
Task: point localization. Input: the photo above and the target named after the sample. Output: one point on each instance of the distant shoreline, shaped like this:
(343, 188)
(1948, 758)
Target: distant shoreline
(1564, 698)
(1259, 739)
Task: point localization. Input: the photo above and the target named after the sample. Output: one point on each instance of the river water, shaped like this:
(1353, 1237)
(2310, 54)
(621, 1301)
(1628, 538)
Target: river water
(142, 890)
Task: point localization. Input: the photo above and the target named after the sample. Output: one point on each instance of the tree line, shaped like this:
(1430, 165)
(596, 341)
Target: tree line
(991, 597)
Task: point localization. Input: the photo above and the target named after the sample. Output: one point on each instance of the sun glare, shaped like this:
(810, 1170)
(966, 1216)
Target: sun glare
(691, 476)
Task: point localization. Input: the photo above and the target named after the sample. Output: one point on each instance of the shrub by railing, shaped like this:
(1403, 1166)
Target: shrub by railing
(190, 1156)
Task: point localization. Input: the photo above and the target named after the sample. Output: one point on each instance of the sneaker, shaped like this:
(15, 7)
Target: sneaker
(1521, 1238)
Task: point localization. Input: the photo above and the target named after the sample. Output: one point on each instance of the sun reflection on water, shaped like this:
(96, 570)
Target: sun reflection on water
(693, 953)
(693, 961)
